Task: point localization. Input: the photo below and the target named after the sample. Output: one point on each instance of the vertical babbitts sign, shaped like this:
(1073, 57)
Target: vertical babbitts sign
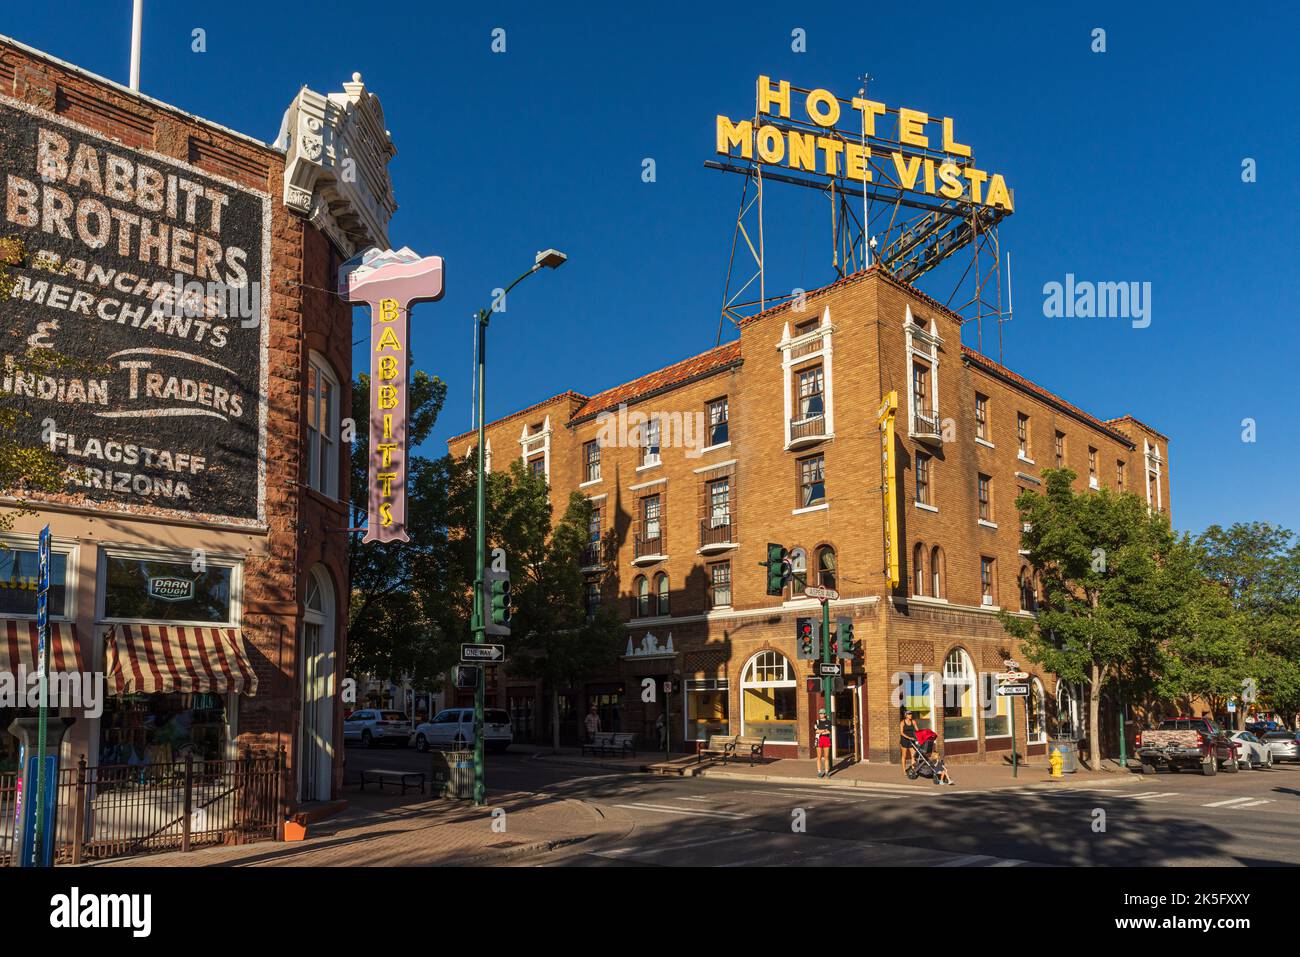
(150, 277)
(390, 283)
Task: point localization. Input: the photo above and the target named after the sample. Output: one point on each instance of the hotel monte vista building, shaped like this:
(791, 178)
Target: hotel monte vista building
(199, 557)
(788, 450)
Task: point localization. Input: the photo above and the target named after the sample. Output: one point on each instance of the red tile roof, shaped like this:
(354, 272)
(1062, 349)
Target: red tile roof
(570, 394)
(679, 373)
(1015, 378)
(1138, 422)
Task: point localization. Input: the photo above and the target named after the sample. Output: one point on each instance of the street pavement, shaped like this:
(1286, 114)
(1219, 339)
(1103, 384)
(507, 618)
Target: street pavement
(561, 810)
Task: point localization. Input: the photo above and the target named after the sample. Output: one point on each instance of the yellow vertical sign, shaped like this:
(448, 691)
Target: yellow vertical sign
(889, 472)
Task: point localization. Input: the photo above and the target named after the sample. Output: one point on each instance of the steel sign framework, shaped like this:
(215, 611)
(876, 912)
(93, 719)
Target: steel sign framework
(906, 206)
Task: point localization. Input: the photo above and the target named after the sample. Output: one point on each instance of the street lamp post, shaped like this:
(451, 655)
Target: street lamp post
(551, 259)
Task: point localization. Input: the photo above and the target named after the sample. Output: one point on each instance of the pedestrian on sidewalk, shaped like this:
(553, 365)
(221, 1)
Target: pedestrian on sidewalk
(661, 731)
(941, 771)
(593, 724)
(822, 730)
(907, 729)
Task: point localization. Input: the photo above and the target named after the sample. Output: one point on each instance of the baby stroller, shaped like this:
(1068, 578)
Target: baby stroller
(924, 747)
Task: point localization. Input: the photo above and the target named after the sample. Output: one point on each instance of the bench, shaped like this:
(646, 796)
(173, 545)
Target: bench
(719, 745)
(407, 779)
(751, 743)
(610, 742)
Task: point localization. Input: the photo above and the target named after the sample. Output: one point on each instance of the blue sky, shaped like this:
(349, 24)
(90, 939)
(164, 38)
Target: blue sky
(1126, 166)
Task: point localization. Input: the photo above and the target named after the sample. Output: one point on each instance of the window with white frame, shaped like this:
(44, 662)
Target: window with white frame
(1037, 713)
(812, 383)
(650, 442)
(997, 708)
(798, 572)
(958, 697)
(717, 414)
(591, 461)
(720, 585)
(322, 426)
(769, 698)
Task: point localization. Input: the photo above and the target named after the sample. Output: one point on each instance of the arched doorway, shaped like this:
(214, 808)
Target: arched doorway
(316, 670)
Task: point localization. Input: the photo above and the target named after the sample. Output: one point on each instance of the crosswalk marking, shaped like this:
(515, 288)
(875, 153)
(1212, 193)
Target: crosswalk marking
(693, 812)
(863, 794)
(670, 847)
(1226, 803)
(1152, 795)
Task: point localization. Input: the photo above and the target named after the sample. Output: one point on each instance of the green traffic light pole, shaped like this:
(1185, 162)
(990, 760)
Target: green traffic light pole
(828, 683)
(551, 259)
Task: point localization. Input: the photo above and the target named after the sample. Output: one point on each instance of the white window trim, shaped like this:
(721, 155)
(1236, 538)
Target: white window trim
(1025, 459)
(140, 552)
(979, 441)
(931, 341)
(928, 508)
(1151, 455)
(527, 443)
(1030, 737)
(714, 465)
(783, 683)
(714, 448)
(819, 507)
(986, 523)
(328, 485)
(591, 483)
(641, 485)
(824, 330)
(973, 681)
(59, 545)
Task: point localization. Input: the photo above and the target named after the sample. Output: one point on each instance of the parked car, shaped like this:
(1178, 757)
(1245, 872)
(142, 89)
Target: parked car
(1251, 752)
(1261, 728)
(1283, 745)
(454, 728)
(372, 726)
(1194, 743)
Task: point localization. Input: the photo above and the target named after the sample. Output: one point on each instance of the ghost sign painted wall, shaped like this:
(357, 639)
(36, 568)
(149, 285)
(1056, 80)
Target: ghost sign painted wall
(152, 277)
(390, 283)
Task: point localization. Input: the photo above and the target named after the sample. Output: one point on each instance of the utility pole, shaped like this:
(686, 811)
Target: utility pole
(551, 259)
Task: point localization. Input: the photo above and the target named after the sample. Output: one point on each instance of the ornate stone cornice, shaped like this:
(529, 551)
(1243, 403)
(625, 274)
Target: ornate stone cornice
(336, 165)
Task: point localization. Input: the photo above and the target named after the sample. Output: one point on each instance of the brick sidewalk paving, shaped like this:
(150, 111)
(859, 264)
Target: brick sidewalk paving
(393, 831)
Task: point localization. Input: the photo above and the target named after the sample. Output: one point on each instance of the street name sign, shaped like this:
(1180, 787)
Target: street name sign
(1014, 691)
(1013, 676)
(824, 594)
(472, 653)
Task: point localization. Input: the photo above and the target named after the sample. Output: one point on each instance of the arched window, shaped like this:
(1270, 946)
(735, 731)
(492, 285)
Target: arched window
(661, 592)
(641, 597)
(322, 426)
(316, 676)
(938, 580)
(769, 698)
(918, 569)
(826, 566)
(1028, 590)
(1037, 718)
(799, 572)
(958, 697)
(1068, 723)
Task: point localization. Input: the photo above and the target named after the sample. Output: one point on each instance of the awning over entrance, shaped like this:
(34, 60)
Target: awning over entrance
(19, 643)
(157, 659)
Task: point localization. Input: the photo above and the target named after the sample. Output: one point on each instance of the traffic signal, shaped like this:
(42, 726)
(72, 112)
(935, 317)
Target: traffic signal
(778, 568)
(844, 647)
(496, 601)
(808, 634)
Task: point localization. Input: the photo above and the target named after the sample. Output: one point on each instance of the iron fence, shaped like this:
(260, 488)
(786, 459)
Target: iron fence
(124, 810)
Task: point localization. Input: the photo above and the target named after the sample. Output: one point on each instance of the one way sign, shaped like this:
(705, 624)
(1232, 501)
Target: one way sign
(476, 652)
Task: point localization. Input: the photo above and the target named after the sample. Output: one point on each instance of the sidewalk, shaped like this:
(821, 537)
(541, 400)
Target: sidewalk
(976, 777)
(395, 831)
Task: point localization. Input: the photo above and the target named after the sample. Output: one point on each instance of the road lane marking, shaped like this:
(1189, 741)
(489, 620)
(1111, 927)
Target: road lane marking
(620, 852)
(1153, 795)
(696, 812)
(1227, 802)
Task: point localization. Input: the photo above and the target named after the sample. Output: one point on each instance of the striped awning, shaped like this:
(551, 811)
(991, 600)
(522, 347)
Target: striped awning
(157, 659)
(19, 644)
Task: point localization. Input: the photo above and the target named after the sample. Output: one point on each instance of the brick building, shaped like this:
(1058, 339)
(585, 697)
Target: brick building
(197, 563)
(774, 438)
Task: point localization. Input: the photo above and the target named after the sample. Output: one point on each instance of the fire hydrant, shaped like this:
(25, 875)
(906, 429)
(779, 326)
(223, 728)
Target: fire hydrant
(1057, 762)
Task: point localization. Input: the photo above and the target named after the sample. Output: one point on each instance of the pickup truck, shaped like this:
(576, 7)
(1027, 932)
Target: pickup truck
(1187, 743)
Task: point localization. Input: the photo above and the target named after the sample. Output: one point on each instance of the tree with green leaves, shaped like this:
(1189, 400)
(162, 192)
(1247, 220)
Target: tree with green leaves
(1116, 585)
(554, 637)
(1255, 568)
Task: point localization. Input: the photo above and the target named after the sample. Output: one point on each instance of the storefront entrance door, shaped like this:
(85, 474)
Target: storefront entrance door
(316, 668)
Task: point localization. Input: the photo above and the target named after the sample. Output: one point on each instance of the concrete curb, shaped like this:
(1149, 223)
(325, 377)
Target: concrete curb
(900, 787)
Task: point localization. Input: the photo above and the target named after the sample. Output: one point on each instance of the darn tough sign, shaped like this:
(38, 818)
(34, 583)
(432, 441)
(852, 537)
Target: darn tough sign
(862, 141)
(143, 289)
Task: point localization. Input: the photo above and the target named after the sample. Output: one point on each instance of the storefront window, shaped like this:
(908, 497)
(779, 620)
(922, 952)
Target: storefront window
(18, 581)
(918, 697)
(1037, 716)
(706, 708)
(154, 729)
(997, 709)
(768, 698)
(149, 590)
(958, 697)
(8, 743)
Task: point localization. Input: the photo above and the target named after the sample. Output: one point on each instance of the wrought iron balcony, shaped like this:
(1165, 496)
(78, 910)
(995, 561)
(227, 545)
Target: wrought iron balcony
(926, 425)
(716, 533)
(643, 547)
(807, 430)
